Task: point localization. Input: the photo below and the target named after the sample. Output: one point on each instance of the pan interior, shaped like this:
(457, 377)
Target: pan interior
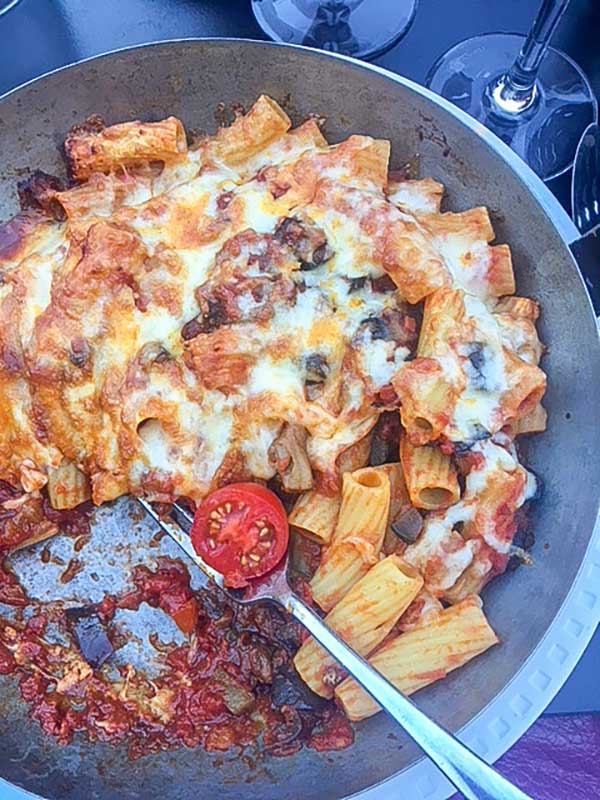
(188, 80)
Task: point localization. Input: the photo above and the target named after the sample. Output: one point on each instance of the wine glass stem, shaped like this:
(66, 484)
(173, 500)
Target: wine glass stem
(516, 91)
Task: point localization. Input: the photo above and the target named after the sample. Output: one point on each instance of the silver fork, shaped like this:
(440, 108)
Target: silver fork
(472, 776)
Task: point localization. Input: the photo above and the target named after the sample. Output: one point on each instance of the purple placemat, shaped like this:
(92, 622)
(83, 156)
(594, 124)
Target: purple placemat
(557, 759)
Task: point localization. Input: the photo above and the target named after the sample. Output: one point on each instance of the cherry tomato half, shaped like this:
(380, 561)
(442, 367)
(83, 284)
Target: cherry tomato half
(242, 531)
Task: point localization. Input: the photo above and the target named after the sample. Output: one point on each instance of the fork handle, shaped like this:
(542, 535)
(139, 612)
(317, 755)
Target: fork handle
(472, 776)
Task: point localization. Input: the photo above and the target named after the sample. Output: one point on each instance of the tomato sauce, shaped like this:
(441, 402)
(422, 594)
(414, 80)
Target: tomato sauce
(232, 684)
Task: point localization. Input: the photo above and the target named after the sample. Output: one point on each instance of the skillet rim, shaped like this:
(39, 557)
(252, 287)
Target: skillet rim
(493, 730)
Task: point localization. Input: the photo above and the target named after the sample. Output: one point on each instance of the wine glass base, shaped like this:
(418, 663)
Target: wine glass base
(545, 134)
(359, 28)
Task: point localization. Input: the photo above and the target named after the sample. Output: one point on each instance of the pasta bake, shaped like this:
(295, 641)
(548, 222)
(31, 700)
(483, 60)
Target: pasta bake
(263, 306)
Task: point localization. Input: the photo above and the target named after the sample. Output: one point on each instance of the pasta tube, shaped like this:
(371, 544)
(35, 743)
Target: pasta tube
(315, 515)
(427, 392)
(67, 486)
(250, 133)
(462, 238)
(430, 476)
(357, 537)
(102, 149)
(365, 506)
(500, 274)
(518, 307)
(423, 196)
(363, 618)
(533, 422)
(423, 655)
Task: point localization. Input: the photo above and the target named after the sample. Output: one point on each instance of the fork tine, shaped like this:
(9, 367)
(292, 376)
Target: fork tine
(172, 528)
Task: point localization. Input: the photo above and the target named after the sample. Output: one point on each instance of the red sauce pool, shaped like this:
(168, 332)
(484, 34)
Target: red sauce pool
(232, 684)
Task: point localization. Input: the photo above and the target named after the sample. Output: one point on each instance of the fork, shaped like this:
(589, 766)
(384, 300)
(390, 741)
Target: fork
(472, 776)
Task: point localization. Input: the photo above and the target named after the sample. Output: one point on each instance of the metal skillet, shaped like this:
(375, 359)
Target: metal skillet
(544, 615)
(470, 774)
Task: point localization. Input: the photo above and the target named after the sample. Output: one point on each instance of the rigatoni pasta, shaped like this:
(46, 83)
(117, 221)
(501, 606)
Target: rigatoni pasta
(315, 514)
(365, 506)
(476, 266)
(476, 371)
(250, 133)
(96, 148)
(68, 486)
(362, 618)
(430, 476)
(423, 655)
(533, 422)
(357, 537)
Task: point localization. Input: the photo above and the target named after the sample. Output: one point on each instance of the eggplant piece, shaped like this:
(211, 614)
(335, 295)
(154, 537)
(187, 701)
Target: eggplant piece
(283, 737)
(317, 371)
(288, 456)
(385, 440)
(306, 241)
(288, 636)
(401, 327)
(356, 284)
(213, 317)
(476, 434)
(317, 368)
(394, 325)
(79, 353)
(477, 360)
(408, 525)
(376, 326)
(261, 663)
(384, 284)
(288, 689)
(90, 634)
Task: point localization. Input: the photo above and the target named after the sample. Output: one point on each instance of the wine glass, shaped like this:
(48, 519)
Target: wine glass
(532, 96)
(6, 5)
(360, 28)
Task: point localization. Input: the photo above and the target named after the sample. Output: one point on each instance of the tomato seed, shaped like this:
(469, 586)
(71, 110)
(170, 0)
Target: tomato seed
(215, 515)
(255, 557)
(211, 544)
(241, 506)
(228, 508)
(243, 561)
(263, 532)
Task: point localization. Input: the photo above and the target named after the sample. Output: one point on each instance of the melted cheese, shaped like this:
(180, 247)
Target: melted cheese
(478, 404)
(498, 458)
(440, 552)
(111, 376)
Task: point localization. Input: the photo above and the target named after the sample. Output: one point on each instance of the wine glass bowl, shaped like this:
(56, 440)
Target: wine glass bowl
(535, 98)
(359, 28)
(544, 125)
